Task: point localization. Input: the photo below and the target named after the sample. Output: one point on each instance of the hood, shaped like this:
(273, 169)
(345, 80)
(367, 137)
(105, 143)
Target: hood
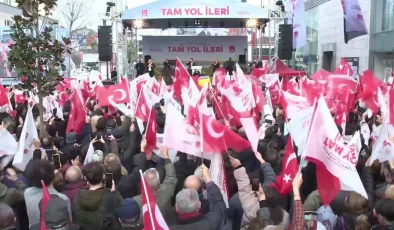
(92, 199)
(3, 190)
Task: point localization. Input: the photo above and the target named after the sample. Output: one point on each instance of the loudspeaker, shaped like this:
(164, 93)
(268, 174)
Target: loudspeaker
(285, 43)
(242, 59)
(105, 43)
(146, 58)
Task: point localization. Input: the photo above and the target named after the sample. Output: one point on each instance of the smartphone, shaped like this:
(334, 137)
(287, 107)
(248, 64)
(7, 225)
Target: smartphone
(310, 215)
(37, 155)
(254, 179)
(108, 180)
(56, 160)
(109, 132)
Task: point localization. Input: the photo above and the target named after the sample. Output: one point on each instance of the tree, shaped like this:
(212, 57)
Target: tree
(74, 14)
(132, 53)
(34, 54)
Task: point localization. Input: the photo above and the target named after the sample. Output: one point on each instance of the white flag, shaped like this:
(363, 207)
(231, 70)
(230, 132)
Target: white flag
(89, 154)
(383, 148)
(299, 24)
(216, 171)
(8, 147)
(299, 128)
(325, 146)
(26, 142)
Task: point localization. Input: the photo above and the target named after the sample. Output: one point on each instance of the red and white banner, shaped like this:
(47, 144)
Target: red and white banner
(208, 50)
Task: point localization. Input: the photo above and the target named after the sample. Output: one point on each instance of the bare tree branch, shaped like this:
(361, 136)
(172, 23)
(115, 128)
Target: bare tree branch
(74, 14)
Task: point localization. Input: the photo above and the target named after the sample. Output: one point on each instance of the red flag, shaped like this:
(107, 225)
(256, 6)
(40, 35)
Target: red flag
(151, 130)
(143, 107)
(119, 93)
(181, 79)
(45, 198)
(344, 68)
(289, 170)
(3, 96)
(217, 138)
(76, 120)
(153, 219)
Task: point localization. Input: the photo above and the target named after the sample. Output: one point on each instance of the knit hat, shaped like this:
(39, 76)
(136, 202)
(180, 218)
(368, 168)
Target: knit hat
(326, 216)
(71, 137)
(129, 209)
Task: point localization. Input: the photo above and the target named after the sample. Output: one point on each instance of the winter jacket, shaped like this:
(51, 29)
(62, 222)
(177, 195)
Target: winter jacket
(89, 208)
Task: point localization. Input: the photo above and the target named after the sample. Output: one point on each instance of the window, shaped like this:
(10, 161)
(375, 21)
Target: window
(8, 2)
(388, 15)
(8, 23)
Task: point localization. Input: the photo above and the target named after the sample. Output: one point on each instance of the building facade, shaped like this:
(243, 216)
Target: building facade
(382, 38)
(326, 44)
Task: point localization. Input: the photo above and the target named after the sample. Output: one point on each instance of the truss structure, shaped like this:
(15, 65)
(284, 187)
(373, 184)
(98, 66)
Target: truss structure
(275, 18)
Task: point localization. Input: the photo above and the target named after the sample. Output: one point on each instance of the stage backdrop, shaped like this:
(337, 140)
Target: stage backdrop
(201, 49)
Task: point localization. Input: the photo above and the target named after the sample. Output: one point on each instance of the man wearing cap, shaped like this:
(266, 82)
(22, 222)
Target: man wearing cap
(129, 213)
(56, 216)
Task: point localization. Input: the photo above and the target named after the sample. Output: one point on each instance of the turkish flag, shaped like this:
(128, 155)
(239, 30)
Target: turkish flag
(151, 131)
(289, 169)
(181, 79)
(143, 107)
(76, 120)
(217, 138)
(152, 217)
(344, 68)
(118, 93)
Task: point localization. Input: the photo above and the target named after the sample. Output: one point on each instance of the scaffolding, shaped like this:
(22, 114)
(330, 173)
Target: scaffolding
(276, 17)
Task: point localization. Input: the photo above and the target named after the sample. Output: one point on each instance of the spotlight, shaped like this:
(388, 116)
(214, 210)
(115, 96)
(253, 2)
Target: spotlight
(251, 23)
(197, 22)
(138, 24)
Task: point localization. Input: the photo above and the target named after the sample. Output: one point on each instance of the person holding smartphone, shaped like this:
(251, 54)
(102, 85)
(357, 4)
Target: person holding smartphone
(95, 208)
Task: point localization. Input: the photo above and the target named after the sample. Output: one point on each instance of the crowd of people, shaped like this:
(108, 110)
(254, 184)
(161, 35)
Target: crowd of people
(82, 197)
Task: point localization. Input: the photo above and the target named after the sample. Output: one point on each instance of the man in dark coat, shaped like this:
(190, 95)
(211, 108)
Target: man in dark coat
(93, 209)
(140, 67)
(187, 200)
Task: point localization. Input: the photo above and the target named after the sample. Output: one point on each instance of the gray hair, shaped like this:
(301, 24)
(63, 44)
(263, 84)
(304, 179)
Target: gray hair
(7, 217)
(98, 156)
(187, 201)
(153, 178)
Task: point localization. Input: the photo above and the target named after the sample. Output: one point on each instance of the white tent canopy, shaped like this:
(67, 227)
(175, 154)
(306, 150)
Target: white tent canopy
(178, 13)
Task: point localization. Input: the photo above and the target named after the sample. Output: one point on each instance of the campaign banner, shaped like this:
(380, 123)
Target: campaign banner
(209, 48)
(175, 9)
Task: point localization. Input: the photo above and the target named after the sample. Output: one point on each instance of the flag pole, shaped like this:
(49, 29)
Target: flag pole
(147, 202)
